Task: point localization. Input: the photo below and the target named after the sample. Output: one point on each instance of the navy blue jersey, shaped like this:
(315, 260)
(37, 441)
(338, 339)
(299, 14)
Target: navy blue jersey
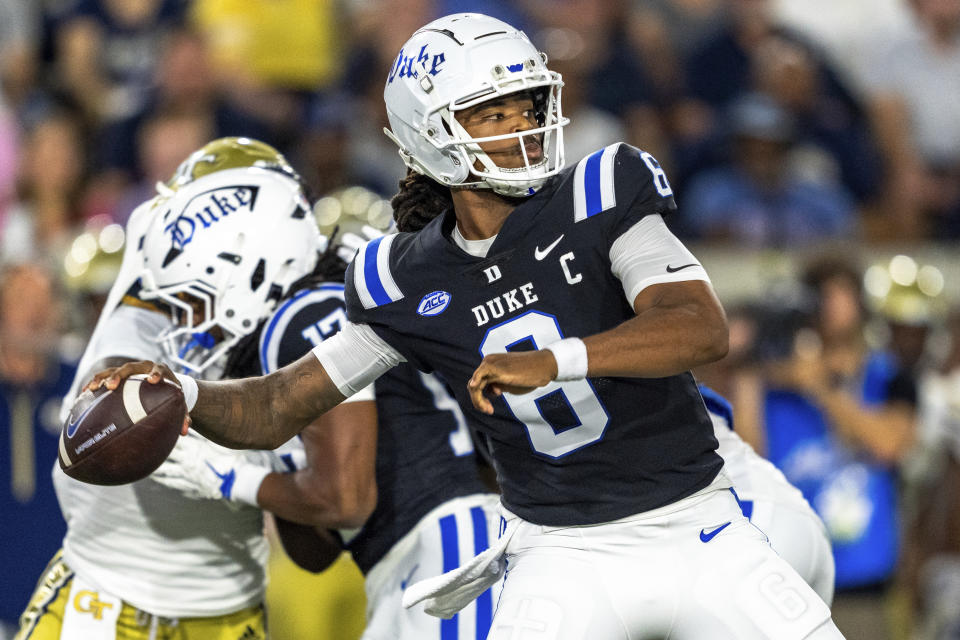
(424, 451)
(570, 453)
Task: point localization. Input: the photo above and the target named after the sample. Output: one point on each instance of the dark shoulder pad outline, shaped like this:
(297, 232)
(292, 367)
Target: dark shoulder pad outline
(276, 327)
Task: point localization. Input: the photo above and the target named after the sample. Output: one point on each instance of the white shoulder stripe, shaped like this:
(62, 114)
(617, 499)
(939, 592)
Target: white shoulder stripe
(593, 187)
(383, 268)
(359, 279)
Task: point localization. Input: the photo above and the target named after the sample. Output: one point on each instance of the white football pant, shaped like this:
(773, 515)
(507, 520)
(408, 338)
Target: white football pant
(693, 570)
(448, 536)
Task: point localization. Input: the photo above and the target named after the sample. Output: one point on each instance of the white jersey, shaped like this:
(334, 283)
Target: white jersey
(450, 530)
(149, 545)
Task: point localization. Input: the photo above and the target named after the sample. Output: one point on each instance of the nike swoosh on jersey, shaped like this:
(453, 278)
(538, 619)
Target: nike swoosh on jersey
(540, 255)
(671, 269)
(707, 537)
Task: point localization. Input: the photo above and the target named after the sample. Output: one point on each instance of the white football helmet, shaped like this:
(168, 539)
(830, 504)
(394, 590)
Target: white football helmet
(457, 62)
(221, 252)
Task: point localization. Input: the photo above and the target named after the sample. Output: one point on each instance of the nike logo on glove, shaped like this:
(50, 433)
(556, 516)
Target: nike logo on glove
(540, 255)
(707, 537)
(226, 480)
(681, 267)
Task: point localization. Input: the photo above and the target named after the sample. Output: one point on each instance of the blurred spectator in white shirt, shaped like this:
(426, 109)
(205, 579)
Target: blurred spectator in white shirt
(915, 96)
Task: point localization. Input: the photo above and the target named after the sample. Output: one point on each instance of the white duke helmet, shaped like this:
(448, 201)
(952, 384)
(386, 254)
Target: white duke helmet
(457, 62)
(224, 248)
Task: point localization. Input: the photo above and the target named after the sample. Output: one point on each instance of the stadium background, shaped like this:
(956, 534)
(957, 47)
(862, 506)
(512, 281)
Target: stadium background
(795, 133)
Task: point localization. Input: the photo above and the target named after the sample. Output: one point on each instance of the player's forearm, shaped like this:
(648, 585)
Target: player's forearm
(264, 412)
(659, 342)
(299, 498)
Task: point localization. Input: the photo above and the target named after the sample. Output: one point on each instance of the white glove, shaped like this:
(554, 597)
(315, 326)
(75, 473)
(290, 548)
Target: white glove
(290, 456)
(201, 469)
(350, 243)
(444, 595)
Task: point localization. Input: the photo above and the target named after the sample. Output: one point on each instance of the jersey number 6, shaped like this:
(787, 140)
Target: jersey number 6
(589, 413)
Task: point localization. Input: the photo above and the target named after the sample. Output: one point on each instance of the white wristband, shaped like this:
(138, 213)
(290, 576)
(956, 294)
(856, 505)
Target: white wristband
(247, 483)
(571, 356)
(190, 390)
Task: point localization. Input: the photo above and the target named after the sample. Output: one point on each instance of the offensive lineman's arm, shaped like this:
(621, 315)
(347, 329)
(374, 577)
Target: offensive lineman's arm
(337, 488)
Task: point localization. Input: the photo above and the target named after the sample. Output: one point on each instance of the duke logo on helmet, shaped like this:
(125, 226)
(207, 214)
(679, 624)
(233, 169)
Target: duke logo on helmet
(208, 208)
(433, 304)
(404, 66)
(234, 232)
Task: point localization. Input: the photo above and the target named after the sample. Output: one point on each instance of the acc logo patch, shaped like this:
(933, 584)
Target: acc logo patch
(433, 304)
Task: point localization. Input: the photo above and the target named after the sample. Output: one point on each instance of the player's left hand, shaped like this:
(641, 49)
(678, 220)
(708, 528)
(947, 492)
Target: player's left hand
(516, 373)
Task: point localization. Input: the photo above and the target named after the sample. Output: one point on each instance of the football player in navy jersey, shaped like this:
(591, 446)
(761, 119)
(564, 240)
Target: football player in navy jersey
(432, 508)
(566, 318)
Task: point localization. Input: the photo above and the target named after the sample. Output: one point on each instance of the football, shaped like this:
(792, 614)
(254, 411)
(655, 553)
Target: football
(120, 436)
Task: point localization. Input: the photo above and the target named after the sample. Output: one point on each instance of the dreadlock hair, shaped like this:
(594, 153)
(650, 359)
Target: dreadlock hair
(420, 200)
(244, 358)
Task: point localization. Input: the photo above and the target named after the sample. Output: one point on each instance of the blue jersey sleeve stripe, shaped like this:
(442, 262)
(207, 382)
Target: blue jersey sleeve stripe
(593, 187)
(480, 544)
(449, 628)
(372, 278)
(591, 184)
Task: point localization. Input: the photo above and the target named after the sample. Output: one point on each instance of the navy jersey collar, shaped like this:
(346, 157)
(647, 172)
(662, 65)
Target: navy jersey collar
(439, 231)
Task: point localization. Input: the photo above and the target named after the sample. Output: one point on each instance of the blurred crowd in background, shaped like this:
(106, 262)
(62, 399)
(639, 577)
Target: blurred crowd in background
(813, 146)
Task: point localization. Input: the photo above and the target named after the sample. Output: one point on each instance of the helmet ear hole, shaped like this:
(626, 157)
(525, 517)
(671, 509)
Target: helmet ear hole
(258, 274)
(541, 98)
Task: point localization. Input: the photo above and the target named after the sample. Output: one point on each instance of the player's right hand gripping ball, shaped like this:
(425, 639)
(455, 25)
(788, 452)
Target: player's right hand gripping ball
(120, 436)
